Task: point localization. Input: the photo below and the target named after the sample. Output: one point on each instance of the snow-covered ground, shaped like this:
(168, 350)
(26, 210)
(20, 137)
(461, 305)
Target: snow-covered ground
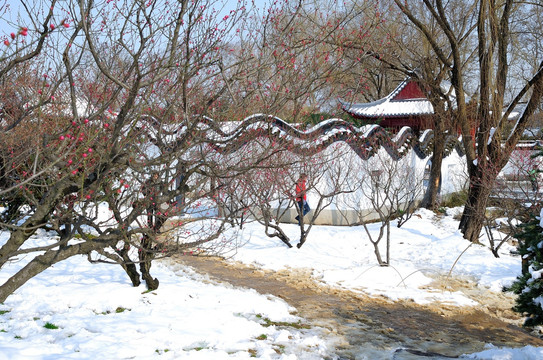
(77, 310)
(422, 250)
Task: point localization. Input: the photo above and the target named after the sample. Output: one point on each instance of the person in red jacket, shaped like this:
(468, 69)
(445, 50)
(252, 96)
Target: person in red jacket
(301, 197)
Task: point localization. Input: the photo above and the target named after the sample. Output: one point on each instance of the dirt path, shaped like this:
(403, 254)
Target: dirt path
(374, 323)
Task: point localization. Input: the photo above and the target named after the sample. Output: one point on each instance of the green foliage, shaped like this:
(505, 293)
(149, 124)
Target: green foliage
(262, 337)
(197, 347)
(118, 310)
(296, 325)
(455, 199)
(279, 349)
(529, 285)
(85, 236)
(50, 326)
(2, 312)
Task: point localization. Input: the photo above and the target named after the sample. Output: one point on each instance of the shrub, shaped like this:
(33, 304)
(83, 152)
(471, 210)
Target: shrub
(50, 326)
(529, 285)
(455, 199)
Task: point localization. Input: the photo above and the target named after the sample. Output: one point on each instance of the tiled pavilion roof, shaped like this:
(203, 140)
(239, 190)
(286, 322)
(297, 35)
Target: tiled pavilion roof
(406, 100)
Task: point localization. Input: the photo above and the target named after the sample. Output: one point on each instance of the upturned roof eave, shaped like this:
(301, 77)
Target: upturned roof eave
(377, 108)
(418, 107)
(375, 116)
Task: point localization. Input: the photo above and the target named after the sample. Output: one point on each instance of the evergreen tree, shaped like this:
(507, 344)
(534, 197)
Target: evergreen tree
(529, 285)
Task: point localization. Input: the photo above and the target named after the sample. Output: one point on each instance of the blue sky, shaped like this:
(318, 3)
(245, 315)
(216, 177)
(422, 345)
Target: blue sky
(12, 16)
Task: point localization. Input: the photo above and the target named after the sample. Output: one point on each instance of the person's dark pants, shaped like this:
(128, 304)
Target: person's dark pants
(304, 207)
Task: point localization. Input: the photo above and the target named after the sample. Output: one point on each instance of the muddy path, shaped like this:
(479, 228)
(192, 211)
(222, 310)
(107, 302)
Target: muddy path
(378, 325)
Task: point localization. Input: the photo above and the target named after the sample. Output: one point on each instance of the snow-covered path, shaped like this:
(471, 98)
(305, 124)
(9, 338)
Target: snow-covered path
(373, 326)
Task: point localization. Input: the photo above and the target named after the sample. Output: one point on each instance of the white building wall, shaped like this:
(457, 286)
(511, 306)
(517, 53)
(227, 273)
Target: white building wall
(344, 209)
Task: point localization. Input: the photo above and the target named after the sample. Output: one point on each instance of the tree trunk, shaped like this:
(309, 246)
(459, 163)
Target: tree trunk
(21, 233)
(43, 262)
(430, 200)
(148, 249)
(278, 232)
(303, 235)
(375, 244)
(473, 216)
(146, 256)
(18, 237)
(152, 283)
(378, 254)
(388, 243)
(128, 266)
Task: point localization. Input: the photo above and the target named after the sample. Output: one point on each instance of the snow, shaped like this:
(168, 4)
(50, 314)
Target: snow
(389, 106)
(100, 315)
(422, 250)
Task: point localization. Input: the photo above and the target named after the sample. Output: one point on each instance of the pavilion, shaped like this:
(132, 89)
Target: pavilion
(407, 105)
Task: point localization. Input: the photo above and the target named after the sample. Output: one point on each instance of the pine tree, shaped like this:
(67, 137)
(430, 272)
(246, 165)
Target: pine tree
(529, 285)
